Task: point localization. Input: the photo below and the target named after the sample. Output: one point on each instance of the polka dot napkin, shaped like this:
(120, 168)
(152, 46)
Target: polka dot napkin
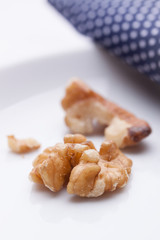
(129, 28)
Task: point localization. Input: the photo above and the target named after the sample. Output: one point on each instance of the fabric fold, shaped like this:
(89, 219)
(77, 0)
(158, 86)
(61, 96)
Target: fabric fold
(128, 28)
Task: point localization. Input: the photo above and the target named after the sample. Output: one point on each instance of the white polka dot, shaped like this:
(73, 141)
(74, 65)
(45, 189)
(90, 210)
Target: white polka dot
(144, 9)
(136, 3)
(157, 77)
(94, 5)
(154, 31)
(115, 28)
(125, 48)
(82, 27)
(117, 51)
(129, 17)
(136, 24)
(139, 17)
(125, 26)
(143, 55)
(133, 46)
(115, 39)
(73, 20)
(111, 11)
(122, 10)
(118, 18)
(147, 24)
(136, 58)
(153, 65)
(106, 31)
(66, 13)
(108, 20)
(151, 53)
(90, 25)
(85, 7)
(98, 33)
(81, 17)
(74, 9)
(143, 33)
(132, 10)
(146, 67)
(151, 17)
(91, 15)
(142, 44)
(157, 4)
(133, 34)
(101, 13)
(152, 41)
(155, 11)
(98, 22)
(124, 37)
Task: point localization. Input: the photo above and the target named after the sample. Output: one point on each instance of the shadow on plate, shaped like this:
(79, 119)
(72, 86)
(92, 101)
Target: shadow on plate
(38, 76)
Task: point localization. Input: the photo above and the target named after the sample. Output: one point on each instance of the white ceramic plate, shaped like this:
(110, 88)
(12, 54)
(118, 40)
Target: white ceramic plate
(30, 97)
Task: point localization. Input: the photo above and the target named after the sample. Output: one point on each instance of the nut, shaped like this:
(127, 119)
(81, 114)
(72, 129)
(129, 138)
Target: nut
(53, 166)
(89, 173)
(97, 173)
(23, 145)
(83, 107)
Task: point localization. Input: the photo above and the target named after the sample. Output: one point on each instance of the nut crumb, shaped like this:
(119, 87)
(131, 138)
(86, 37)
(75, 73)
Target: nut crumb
(23, 145)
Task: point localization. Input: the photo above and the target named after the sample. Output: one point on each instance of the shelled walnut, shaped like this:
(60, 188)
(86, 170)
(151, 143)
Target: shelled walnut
(89, 173)
(83, 106)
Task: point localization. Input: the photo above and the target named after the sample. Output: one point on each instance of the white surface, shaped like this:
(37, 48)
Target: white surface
(28, 211)
(31, 29)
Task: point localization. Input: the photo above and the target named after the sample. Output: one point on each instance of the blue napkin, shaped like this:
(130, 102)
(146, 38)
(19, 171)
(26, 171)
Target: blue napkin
(129, 28)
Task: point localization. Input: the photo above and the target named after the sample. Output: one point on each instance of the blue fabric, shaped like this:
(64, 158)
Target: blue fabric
(129, 28)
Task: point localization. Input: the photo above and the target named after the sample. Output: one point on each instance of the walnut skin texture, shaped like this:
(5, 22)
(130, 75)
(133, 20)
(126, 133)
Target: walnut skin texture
(23, 145)
(89, 173)
(112, 171)
(54, 165)
(83, 106)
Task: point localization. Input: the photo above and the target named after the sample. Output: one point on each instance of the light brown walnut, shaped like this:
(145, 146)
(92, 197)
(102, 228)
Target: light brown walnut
(54, 165)
(22, 145)
(89, 173)
(97, 173)
(84, 107)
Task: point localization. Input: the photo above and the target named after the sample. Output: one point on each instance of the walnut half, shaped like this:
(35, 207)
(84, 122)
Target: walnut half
(83, 106)
(89, 173)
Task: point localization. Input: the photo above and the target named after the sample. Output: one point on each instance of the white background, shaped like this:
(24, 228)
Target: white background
(32, 29)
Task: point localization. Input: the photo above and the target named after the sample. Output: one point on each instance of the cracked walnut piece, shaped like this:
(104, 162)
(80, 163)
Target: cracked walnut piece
(23, 145)
(89, 173)
(83, 106)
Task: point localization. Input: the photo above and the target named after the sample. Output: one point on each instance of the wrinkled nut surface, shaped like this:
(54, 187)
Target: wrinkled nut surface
(89, 173)
(83, 106)
(23, 145)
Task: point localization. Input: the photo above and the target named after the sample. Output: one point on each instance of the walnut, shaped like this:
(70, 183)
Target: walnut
(97, 173)
(23, 145)
(83, 107)
(54, 165)
(89, 173)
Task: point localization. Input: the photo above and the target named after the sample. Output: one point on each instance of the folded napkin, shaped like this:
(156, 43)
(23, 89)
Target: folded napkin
(129, 28)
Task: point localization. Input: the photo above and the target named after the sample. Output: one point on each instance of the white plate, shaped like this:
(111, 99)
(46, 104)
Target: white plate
(29, 211)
